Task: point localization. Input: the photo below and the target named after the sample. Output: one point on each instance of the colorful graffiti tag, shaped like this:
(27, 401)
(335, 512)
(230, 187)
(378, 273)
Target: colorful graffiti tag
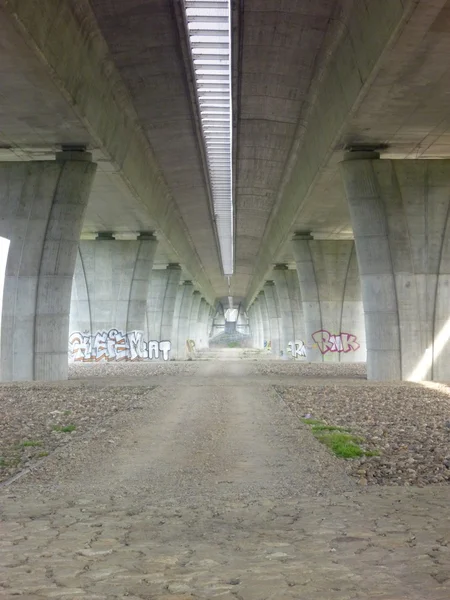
(342, 342)
(115, 345)
(297, 349)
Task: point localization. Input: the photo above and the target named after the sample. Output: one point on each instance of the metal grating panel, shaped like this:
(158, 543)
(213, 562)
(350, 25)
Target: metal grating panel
(209, 35)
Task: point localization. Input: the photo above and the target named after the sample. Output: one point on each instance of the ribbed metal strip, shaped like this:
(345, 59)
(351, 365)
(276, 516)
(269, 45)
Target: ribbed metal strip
(209, 35)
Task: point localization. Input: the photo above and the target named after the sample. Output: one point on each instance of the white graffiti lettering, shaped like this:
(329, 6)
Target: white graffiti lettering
(115, 345)
(297, 349)
(342, 342)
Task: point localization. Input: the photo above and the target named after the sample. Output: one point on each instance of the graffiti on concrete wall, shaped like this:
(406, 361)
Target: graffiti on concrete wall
(190, 346)
(115, 345)
(297, 349)
(342, 342)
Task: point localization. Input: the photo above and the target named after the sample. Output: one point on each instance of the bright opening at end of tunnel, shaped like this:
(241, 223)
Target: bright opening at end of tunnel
(209, 34)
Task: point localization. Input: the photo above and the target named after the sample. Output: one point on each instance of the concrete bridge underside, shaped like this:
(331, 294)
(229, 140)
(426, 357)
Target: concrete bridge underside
(341, 172)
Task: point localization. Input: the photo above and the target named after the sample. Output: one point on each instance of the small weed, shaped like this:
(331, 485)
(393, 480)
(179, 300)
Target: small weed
(308, 421)
(66, 413)
(342, 444)
(42, 454)
(31, 443)
(64, 428)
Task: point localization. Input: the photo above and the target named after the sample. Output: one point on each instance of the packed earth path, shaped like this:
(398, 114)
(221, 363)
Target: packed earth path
(200, 480)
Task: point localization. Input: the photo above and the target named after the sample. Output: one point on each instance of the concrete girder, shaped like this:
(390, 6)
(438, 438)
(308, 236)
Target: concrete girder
(361, 46)
(67, 39)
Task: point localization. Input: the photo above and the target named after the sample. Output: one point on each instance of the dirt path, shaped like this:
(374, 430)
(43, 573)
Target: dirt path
(213, 489)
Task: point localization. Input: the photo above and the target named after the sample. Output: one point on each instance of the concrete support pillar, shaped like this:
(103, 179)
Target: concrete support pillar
(181, 321)
(112, 281)
(155, 302)
(253, 325)
(137, 304)
(274, 316)
(162, 293)
(41, 213)
(193, 321)
(170, 298)
(400, 216)
(285, 320)
(298, 351)
(260, 322)
(203, 315)
(331, 297)
(265, 320)
(212, 312)
(257, 324)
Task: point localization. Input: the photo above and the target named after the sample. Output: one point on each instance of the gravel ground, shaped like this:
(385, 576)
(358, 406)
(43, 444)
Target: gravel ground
(408, 423)
(130, 369)
(209, 486)
(205, 435)
(32, 414)
(315, 370)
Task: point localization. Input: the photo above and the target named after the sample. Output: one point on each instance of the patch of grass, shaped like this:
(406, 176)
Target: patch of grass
(42, 454)
(344, 445)
(66, 413)
(316, 428)
(312, 421)
(64, 428)
(338, 439)
(31, 443)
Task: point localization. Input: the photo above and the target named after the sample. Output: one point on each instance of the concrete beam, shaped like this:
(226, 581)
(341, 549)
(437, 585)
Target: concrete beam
(66, 37)
(364, 42)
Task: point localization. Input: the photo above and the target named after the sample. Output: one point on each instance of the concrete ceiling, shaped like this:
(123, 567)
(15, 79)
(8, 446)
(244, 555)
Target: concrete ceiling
(310, 77)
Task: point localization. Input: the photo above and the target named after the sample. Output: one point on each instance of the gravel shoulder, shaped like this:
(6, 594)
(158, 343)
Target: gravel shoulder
(38, 418)
(409, 424)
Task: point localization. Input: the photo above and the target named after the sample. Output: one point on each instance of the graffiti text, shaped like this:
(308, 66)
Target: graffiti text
(297, 349)
(342, 342)
(115, 345)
